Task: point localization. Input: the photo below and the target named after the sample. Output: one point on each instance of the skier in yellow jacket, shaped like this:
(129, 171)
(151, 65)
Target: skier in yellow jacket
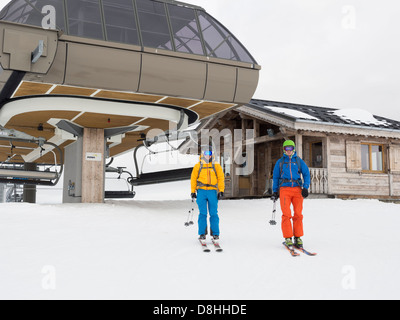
(209, 182)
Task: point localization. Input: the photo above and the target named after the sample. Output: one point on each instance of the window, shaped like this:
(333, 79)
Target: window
(84, 18)
(372, 158)
(120, 21)
(316, 155)
(154, 25)
(184, 29)
(219, 42)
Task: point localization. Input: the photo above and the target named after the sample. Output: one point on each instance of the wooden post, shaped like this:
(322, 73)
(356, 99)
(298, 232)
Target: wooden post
(328, 164)
(93, 166)
(256, 125)
(299, 145)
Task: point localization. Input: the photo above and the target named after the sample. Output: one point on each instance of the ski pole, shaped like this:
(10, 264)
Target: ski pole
(192, 214)
(189, 221)
(272, 222)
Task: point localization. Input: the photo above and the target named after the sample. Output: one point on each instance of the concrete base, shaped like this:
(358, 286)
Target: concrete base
(29, 194)
(72, 189)
(2, 193)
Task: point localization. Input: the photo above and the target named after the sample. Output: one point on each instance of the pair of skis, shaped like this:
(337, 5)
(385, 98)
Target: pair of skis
(294, 253)
(291, 249)
(207, 249)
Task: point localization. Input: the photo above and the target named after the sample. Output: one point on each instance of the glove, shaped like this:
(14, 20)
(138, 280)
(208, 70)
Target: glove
(220, 195)
(275, 196)
(193, 195)
(304, 193)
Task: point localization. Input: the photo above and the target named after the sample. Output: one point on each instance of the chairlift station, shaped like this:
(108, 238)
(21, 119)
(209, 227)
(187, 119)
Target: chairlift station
(85, 80)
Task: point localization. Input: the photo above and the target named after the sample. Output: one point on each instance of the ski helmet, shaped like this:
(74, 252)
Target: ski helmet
(289, 143)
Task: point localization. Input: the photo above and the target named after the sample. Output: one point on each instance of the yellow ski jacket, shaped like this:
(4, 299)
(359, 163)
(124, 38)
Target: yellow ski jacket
(211, 176)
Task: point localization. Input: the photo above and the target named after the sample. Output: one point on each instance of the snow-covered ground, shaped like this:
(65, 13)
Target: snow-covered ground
(140, 249)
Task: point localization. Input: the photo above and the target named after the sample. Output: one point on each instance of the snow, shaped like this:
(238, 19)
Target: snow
(359, 116)
(293, 113)
(140, 249)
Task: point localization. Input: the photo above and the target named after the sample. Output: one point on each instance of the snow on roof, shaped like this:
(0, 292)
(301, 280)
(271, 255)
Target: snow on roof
(359, 116)
(352, 117)
(293, 113)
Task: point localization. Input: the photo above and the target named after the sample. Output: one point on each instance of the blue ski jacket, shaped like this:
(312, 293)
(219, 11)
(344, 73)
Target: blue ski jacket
(288, 174)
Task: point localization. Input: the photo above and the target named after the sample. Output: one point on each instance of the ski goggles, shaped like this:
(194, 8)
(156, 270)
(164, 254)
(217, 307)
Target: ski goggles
(208, 153)
(288, 148)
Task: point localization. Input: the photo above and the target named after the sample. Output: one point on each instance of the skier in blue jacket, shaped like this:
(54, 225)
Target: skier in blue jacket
(290, 188)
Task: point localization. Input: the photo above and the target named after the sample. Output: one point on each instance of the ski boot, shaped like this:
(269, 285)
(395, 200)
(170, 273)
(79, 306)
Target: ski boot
(202, 239)
(289, 243)
(215, 241)
(298, 243)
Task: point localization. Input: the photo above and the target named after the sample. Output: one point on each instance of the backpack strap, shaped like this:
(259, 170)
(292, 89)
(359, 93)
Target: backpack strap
(298, 160)
(201, 168)
(200, 184)
(215, 170)
(298, 165)
(281, 181)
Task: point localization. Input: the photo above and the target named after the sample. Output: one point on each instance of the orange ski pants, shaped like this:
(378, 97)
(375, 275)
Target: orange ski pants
(287, 197)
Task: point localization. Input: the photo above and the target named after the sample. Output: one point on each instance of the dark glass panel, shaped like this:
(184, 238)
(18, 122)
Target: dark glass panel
(219, 42)
(153, 24)
(185, 30)
(120, 21)
(84, 18)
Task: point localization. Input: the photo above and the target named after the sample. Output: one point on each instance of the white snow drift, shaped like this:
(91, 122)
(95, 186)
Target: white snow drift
(141, 250)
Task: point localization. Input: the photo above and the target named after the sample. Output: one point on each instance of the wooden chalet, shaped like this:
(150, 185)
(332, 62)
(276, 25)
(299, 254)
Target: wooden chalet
(350, 153)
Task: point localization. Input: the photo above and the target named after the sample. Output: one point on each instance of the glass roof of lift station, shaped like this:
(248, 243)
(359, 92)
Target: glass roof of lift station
(161, 24)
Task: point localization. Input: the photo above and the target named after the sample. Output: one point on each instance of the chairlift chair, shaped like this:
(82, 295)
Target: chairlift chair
(124, 194)
(10, 174)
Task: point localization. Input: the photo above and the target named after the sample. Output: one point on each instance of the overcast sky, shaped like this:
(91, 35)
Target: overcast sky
(334, 53)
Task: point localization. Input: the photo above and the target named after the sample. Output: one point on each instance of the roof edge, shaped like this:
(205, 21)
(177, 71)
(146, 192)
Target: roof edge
(331, 124)
(183, 4)
(256, 104)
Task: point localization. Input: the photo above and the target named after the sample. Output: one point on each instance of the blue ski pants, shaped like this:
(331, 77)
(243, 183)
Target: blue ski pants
(207, 200)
